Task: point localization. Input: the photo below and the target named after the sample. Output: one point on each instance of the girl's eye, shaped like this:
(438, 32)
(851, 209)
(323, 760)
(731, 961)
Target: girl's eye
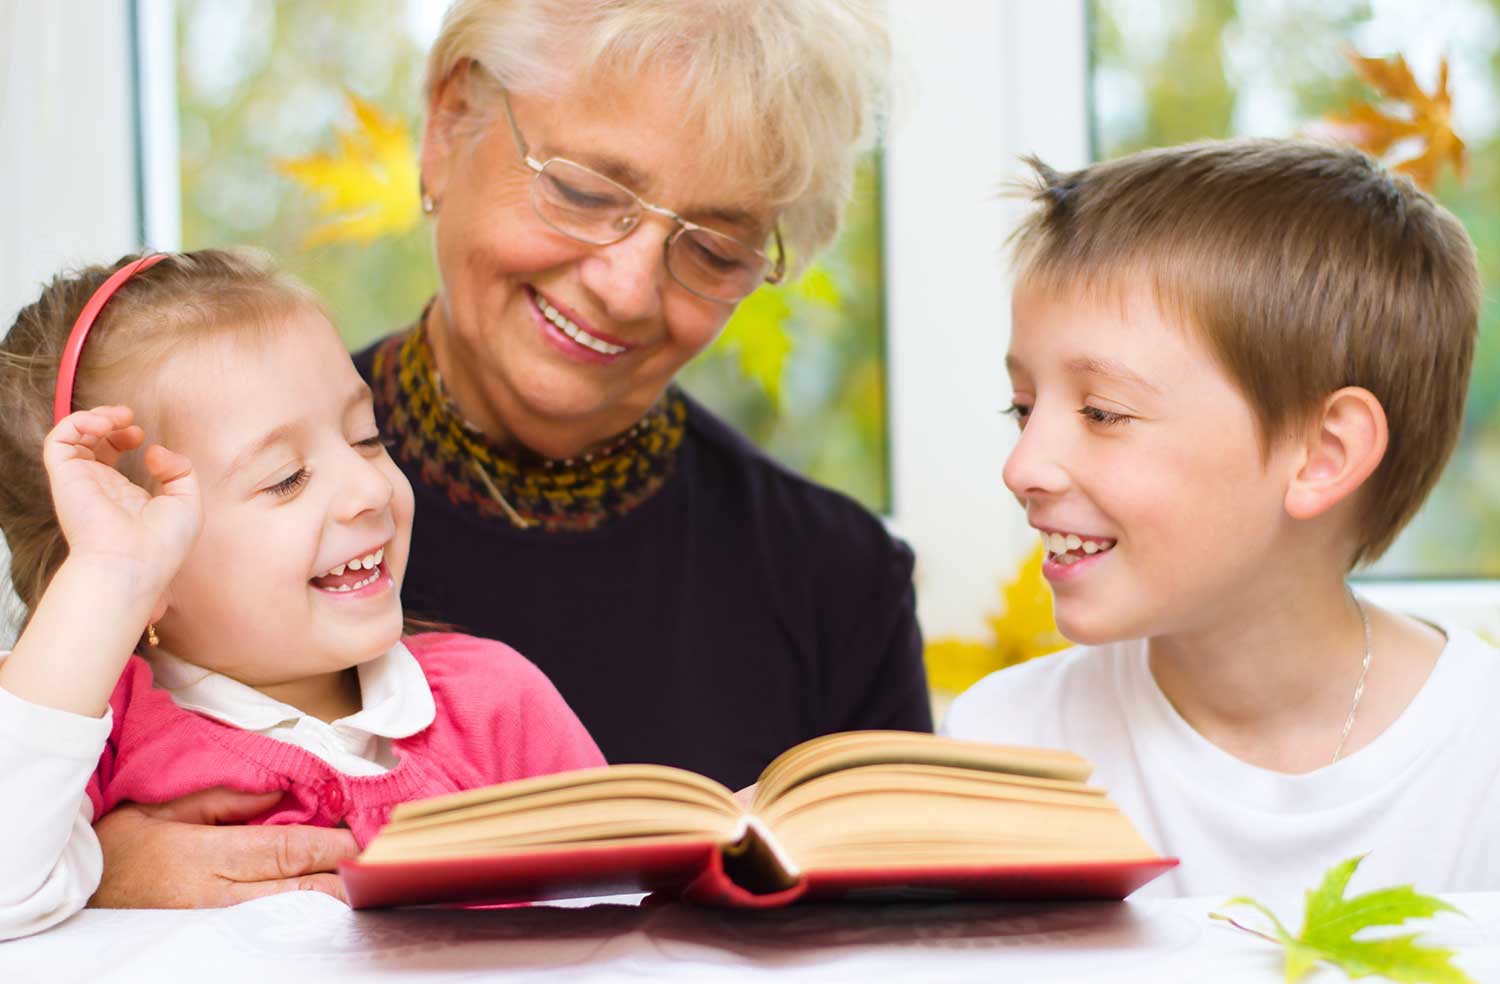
(1103, 416)
(376, 443)
(290, 484)
(1018, 411)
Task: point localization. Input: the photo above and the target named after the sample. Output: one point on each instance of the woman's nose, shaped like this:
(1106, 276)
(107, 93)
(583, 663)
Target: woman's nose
(628, 276)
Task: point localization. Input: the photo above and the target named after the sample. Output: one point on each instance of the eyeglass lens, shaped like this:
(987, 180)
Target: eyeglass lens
(591, 208)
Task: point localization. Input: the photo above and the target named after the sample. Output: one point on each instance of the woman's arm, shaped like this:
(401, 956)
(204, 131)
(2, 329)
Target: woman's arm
(175, 856)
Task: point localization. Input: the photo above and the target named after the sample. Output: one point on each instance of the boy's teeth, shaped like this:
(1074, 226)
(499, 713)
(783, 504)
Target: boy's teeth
(1067, 546)
(574, 332)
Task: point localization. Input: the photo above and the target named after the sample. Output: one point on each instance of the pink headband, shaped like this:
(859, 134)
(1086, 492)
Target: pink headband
(62, 402)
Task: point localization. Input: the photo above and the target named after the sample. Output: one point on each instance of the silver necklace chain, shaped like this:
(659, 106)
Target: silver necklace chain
(1359, 688)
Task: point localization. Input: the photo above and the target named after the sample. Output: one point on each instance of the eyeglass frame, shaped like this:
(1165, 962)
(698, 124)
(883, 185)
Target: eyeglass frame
(778, 266)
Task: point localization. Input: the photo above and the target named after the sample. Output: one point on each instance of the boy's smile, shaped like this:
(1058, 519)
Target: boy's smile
(1139, 463)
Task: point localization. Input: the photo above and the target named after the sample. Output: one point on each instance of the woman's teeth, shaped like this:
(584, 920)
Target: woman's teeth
(574, 332)
(1069, 548)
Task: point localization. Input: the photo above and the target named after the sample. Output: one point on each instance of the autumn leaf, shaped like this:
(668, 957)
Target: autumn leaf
(1330, 922)
(368, 186)
(758, 334)
(1406, 117)
(1022, 629)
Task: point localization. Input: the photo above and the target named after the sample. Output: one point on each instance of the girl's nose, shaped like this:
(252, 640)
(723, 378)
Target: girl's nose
(366, 489)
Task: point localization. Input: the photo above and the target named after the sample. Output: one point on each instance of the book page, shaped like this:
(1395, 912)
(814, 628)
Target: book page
(853, 749)
(924, 815)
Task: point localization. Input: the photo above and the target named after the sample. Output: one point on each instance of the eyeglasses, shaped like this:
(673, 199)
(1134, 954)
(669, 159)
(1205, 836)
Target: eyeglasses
(584, 205)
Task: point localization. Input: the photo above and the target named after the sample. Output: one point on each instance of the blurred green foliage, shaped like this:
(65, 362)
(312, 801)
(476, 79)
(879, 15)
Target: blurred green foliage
(1165, 71)
(800, 369)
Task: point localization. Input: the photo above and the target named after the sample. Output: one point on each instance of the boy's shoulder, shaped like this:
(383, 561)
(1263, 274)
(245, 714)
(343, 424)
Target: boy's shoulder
(1030, 701)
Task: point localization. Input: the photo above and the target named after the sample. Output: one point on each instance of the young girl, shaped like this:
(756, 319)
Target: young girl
(224, 609)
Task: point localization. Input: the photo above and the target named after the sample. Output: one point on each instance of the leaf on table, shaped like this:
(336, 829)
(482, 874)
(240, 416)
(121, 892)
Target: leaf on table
(1330, 922)
(1405, 116)
(368, 186)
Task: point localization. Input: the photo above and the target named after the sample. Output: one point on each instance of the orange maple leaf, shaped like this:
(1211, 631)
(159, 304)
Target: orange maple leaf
(1405, 117)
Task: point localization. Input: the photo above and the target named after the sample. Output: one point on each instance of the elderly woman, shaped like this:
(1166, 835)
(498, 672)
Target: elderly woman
(606, 181)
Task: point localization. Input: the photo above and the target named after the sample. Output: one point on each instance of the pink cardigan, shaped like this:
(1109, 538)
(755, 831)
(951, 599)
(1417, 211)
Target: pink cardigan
(498, 718)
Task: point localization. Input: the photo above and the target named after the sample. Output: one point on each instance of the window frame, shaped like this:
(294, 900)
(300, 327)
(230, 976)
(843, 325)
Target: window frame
(979, 85)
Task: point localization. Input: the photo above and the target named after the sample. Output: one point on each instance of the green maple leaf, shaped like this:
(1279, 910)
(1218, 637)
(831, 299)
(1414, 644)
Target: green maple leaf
(758, 333)
(1331, 921)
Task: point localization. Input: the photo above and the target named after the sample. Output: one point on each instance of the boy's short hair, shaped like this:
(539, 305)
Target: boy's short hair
(1306, 267)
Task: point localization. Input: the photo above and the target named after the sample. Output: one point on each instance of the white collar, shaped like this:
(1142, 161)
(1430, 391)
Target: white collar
(396, 700)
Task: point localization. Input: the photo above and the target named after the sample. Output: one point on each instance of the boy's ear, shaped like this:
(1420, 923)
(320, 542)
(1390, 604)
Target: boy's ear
(447, 110)
(1344, 443)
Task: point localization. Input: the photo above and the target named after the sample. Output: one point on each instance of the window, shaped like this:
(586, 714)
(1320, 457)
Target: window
(1267, 67)
(259, 82)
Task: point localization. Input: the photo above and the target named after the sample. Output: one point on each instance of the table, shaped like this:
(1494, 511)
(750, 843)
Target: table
(309, 937)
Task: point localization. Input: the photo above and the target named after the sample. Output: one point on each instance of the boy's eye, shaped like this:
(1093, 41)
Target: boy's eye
(290, 484)
(1102, 416)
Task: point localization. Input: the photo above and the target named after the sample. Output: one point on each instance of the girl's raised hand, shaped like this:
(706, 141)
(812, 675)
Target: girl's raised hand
(106, 516)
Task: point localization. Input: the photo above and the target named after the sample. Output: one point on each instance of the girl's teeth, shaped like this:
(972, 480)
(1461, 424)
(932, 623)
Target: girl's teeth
(366, 563)
(1090, 547)
(1074, 542)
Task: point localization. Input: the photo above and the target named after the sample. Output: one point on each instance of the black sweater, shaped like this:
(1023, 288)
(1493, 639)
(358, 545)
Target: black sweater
(739, 610)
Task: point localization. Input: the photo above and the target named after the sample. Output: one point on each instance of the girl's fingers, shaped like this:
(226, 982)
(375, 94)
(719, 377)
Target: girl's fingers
(101, 433)
(173, 471)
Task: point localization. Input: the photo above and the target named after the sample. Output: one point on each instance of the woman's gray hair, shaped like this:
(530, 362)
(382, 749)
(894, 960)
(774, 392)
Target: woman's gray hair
(786, 93)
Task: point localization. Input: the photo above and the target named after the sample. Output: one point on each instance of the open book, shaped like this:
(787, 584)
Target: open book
(858, 815)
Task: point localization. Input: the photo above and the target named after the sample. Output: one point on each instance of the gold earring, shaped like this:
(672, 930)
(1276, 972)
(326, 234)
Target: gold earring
(151, 637)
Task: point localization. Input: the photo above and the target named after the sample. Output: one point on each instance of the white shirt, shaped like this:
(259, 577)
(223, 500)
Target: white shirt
(1423, 798)
(50, 860)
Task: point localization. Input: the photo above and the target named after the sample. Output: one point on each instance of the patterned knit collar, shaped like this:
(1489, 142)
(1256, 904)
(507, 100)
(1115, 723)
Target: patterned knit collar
(514, 485)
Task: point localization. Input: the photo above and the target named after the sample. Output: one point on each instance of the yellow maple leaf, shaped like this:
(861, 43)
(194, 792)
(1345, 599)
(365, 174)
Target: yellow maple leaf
(368, 186)
(1406, 116)
(1023, 629)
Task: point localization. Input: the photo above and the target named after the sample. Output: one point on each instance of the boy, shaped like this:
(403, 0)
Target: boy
(1238, 368)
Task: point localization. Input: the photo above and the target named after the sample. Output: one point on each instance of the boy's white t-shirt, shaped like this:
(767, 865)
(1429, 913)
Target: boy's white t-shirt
(1423, 798)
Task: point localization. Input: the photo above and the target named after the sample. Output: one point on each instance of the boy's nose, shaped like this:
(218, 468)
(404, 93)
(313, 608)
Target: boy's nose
(1036, 465)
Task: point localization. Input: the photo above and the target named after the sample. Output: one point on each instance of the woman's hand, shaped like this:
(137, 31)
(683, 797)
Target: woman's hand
(106, 516)
(172, 856)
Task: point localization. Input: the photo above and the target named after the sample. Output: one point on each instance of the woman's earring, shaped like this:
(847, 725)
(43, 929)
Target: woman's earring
(428, 205)
(152, 639)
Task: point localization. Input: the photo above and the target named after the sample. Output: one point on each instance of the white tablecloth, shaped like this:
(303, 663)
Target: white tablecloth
(310, 937)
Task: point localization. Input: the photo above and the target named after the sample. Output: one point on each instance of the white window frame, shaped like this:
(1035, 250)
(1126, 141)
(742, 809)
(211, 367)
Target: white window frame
(980, 83)
(992, 81)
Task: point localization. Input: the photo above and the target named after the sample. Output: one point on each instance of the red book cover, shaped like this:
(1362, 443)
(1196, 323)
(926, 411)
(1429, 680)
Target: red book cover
(696, 871)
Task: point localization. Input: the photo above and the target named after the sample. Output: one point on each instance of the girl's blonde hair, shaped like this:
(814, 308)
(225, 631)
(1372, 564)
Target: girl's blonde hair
(783, 92)
(185, 300)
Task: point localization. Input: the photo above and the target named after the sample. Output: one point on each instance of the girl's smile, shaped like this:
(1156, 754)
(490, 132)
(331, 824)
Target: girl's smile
(304, 512)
